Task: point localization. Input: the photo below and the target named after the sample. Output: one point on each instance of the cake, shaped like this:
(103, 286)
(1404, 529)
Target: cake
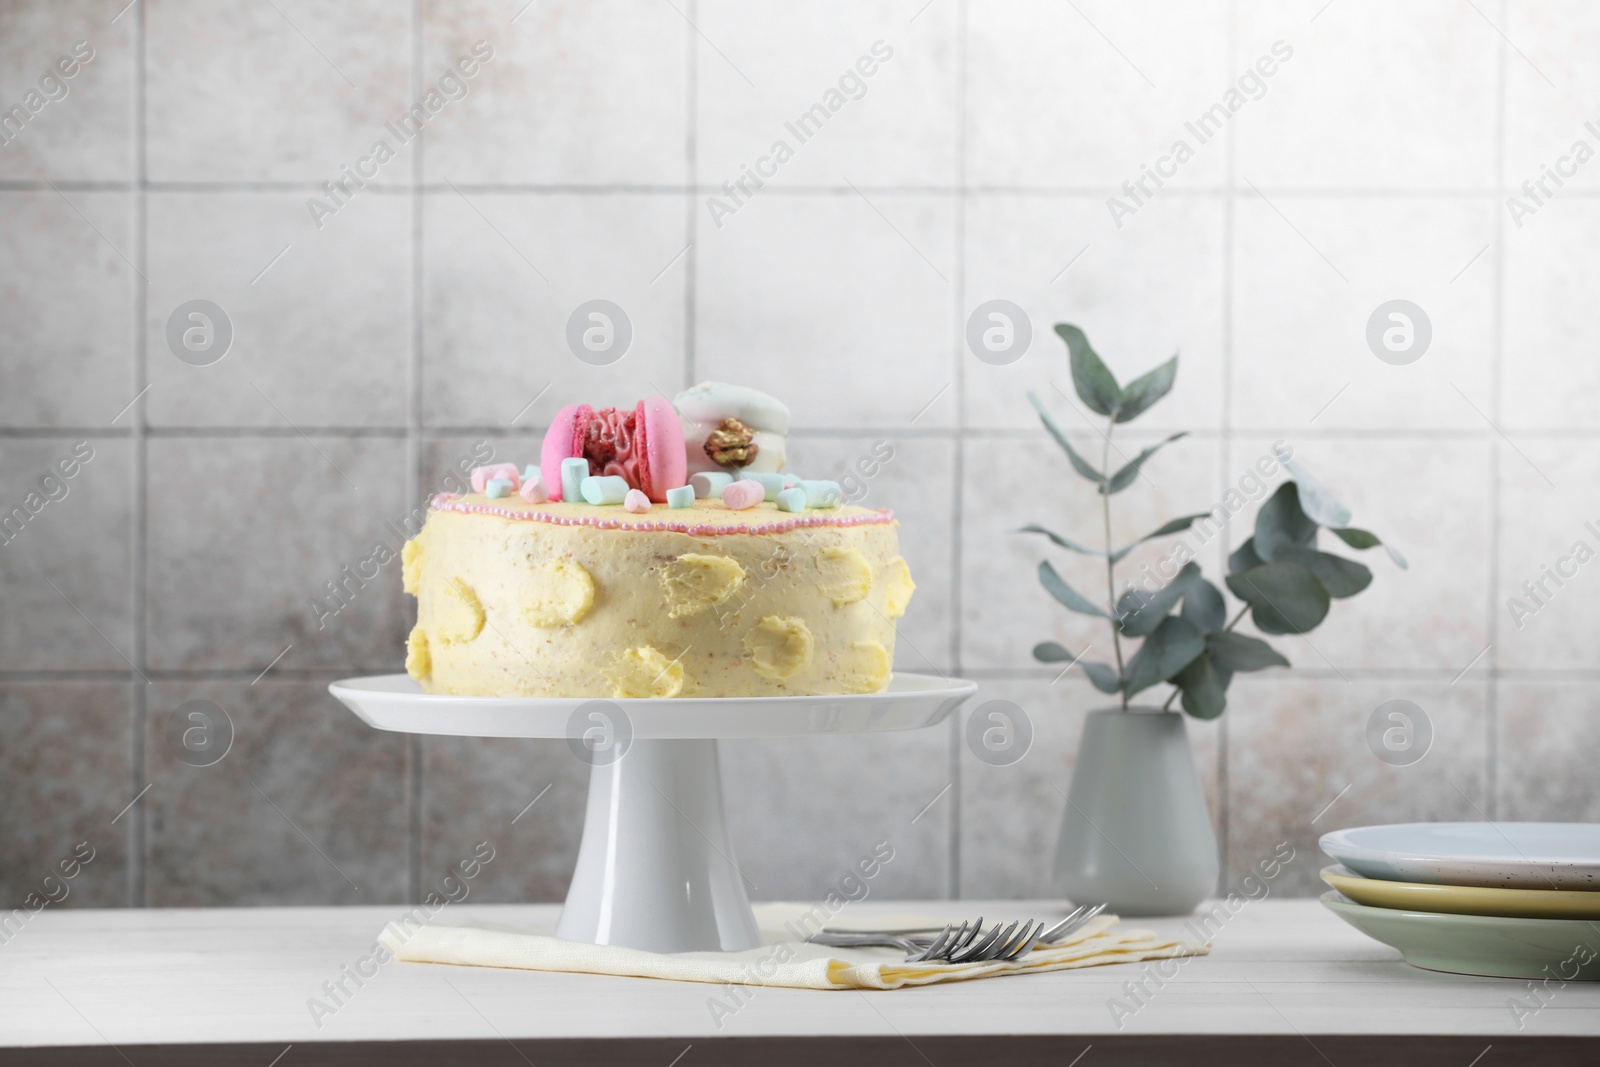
(693, 574)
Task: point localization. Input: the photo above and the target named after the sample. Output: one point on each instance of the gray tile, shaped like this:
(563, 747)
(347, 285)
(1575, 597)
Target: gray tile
(1546, 751)
(841, 311)
(72, 533)
(1040, 76)
(506, 273)
(244, 536)
(1375, 96)
(1004, 610)
(803, 811)
(1301, 356)
(1011, 815)
(588, 93)
(321, 337)
(65, 772)
(287, 91)
(307, 806)
(1547, 530)
(1050, 256)
(479, 790)
(66, 277)
(1550, 266)
(1299, 766)
(1430, 500)
(896, 126)
(85, 134)
(1549, 89)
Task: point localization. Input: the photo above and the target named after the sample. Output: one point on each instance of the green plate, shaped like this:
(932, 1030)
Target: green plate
(1562, 949)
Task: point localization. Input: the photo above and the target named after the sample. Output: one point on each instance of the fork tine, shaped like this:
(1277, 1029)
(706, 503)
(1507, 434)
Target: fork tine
(979, 951)
(1064, 925)
(959, 944)
(936, 948)
(1027, 945)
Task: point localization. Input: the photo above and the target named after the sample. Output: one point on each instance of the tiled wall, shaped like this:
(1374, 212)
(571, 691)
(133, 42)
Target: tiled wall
(426, 315)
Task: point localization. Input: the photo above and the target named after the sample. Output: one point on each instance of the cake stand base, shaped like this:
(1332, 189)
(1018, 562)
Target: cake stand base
(656, 869)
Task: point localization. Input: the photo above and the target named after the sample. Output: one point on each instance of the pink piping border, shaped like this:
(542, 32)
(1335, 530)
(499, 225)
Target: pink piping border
(452, 502)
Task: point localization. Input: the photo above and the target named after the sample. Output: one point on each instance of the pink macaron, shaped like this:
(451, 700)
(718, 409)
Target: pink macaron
(643, 446)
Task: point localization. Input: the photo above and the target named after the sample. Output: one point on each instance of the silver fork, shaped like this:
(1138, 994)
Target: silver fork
(963, 943)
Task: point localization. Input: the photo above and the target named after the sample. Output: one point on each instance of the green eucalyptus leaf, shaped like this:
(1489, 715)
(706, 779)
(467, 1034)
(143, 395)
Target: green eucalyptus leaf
(1175, 526)
(1284, 598)
(1064, 542)
(1315, 499)
(1102, 676)
(1203, 605)
(1156, 606)
(1244, 557)
(1240, 653)
(1050, 652)
(1366, 539)
(1097, 387)
(1079, 464)
(1340, 577)
(1132, 599)
(1124, 477)
(1280, 523)
(1163, 654)
(1068, 596)
(1144, 391)
(1204, 694)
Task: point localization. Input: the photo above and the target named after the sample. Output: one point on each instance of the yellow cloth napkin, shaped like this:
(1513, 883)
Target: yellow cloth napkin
(782, 961)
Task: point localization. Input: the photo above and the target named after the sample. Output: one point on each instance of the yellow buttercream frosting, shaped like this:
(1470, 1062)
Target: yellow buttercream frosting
(515, 606)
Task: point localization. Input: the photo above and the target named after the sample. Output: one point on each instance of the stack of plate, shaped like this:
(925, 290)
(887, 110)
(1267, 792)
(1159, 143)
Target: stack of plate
(1510, 899)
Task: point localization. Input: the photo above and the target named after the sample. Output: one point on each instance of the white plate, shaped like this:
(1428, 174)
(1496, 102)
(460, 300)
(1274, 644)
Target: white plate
(1511, 855)
(395, 702)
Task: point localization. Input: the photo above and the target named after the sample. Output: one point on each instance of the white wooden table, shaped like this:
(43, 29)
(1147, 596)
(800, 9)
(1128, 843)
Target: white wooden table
(1286, 983)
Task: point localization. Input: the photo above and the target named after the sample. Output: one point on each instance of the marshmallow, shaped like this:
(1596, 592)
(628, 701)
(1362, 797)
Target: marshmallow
(792, 499)
(606, 489)
(533, 490)
(681, 497)
(707, 484)
(482, 475)
(497, 488)
(573, 472)
(743, 494)
(636, 502)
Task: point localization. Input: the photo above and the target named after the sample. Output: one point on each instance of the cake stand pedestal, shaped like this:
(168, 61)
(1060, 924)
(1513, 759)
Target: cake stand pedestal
(655, 869)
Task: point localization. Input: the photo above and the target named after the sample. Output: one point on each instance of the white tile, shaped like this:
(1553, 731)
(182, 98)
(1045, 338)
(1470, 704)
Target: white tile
(1300, 765)
(1141, 293)
(287, 91)
(245, 537)
(67, 282)
(1544, 605)
(896, 126)
(842, 311)
(1310, 274)
(1551, 85)
(1547, 751)
(1086, 94)
(1375, 96)
(1014, 481)
(803, 811)
(503, 275)
(1548, 380)
(578, 92)
(1430, 499)
(320, 337)
(1011, 815)
(65, 562)
(85, 134)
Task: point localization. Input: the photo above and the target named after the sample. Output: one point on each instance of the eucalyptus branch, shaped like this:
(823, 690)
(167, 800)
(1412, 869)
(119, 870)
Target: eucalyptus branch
(1111, 566)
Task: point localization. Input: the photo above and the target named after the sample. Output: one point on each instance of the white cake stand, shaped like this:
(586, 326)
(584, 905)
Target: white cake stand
(655, 868)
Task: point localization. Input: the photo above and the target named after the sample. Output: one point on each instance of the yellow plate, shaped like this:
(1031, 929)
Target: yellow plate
(1465, 899)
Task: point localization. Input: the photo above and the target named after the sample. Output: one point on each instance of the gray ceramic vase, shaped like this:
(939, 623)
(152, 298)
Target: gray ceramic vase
(1136, 834)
